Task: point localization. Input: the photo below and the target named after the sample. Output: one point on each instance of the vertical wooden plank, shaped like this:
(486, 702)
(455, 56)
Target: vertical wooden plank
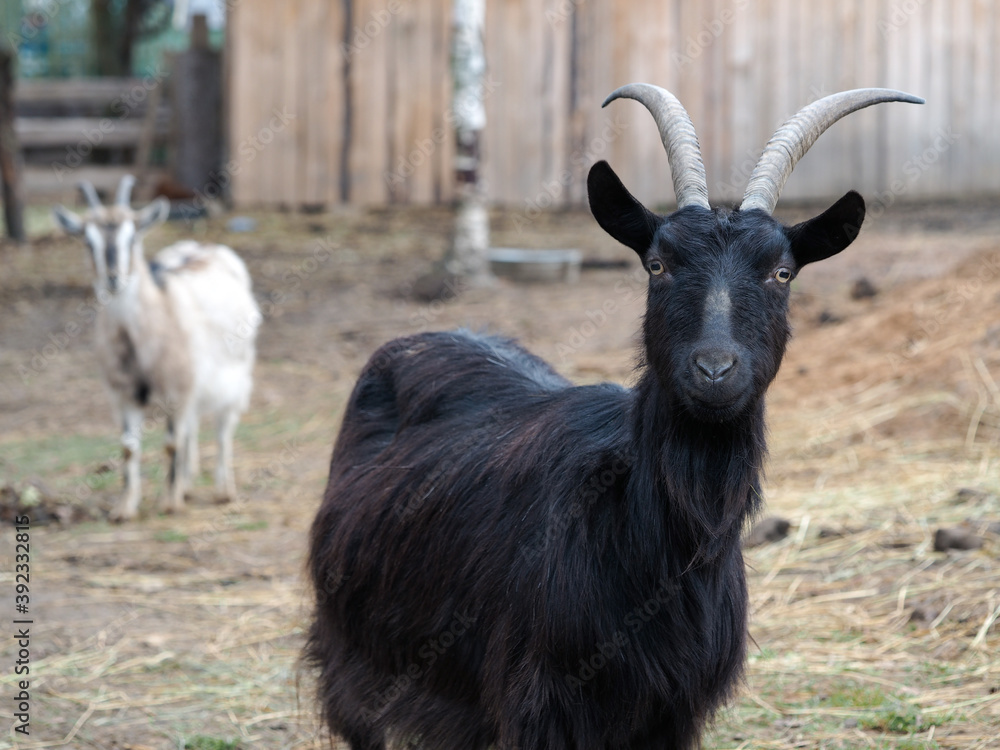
(236, 44)
(369, 116)
(526, 36)
(982, 63)
(989, 146)
(331, 116)
(787, 64)
(244, 49)
(936, 50)
(445, 173)
(692, 80)
(493, 166)
(995, 99)
(314, 160)
(869, 44)
(843, 60)
(581, 96)
(255, 157)
(421, 105)
(956, 164)
(711, 60)
(740, 108)
(403, 157)
(288, 141)
(762, 43)
(267, 157)
(563, 133)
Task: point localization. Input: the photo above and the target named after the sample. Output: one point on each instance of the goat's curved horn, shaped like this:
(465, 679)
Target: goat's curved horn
(679, 139)
(124, 195)
(791, 141)
(89, 193)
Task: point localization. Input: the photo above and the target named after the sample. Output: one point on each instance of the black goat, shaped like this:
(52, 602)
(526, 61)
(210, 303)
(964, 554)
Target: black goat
(504, 559)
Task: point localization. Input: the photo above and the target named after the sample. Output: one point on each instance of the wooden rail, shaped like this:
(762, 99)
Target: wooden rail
(61, 123)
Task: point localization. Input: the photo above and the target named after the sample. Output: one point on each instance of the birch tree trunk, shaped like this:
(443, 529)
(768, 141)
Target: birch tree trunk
(467, 257)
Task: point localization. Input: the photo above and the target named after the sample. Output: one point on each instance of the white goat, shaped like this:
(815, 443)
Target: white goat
(177, 333)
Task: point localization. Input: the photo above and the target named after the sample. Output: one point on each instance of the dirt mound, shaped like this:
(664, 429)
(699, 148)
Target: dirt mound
(928, 350)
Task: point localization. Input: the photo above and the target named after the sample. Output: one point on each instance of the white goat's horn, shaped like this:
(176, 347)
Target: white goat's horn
(89, 193)
(124, 195)
(791, 141)
(687, 168)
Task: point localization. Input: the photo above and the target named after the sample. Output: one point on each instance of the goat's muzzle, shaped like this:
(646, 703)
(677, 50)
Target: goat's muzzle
(718, 383)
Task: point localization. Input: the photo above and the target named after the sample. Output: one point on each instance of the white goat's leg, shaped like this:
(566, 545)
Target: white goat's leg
(128, 505)
(192, 464)
(225, 479)
(177, 454)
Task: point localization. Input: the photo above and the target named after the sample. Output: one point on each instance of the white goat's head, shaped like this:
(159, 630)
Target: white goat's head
(113, 234)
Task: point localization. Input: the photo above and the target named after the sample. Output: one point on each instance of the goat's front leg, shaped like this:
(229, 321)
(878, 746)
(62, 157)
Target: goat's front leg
(225, 478)
(128, 504)
(191, 464)
(177, 455)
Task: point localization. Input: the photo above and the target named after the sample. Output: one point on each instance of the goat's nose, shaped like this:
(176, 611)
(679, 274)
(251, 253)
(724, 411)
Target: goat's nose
(714, 367)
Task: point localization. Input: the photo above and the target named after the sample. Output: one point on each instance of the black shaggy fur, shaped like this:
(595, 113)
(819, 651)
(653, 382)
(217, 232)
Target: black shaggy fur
(505, 559)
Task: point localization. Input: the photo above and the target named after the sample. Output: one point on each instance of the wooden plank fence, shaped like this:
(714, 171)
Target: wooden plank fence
(334, 102)
(62, 122)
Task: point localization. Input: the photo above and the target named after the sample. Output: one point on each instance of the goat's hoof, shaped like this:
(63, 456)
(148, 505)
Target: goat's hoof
(172, 508)
(120, 515)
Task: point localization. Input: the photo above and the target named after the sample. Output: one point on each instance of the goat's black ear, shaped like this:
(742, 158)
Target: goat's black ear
(618, 213)
(69, 221)
(830, 232)
(153, 214)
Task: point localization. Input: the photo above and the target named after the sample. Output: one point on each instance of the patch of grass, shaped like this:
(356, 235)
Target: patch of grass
(885, 713)
(251, 526)
(170, 535)
(55, 454)
(910, 743)
(763, 654)
(897, 719)
(857, 696)
(903, 718)
(201, 742)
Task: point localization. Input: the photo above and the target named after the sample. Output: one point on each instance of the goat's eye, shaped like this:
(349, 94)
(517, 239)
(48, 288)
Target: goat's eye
(783, 275)
(656, 268)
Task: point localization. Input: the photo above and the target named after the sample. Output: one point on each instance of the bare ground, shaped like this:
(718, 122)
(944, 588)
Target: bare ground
(185, 631)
